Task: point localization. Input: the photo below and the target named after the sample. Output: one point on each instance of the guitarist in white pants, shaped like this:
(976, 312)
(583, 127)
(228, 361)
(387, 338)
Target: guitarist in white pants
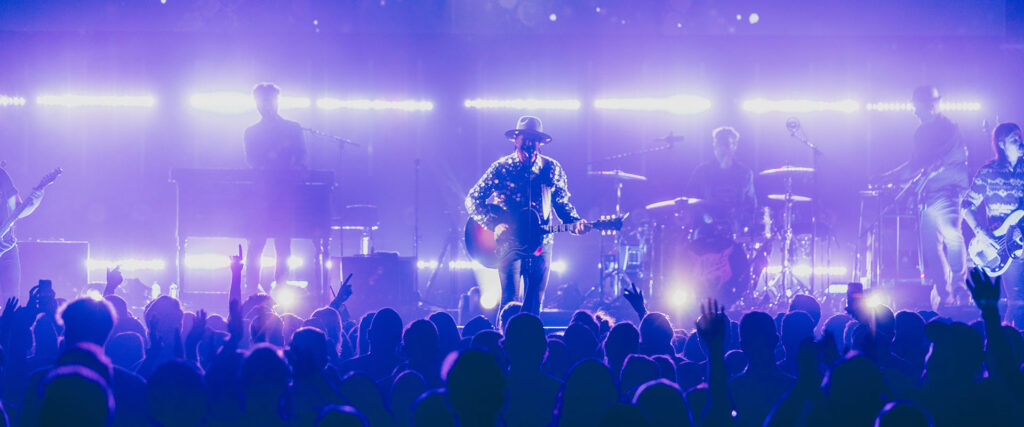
(521, 180)
(996, 192)
(10, 262)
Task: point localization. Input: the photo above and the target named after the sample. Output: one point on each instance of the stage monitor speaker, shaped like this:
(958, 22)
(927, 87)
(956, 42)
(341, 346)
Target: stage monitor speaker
(64, 263)
(378, 281)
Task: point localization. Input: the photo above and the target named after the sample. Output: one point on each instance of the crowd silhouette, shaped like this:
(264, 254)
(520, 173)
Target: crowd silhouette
(91, 362)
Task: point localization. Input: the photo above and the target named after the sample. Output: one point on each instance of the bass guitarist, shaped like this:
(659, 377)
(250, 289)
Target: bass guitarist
(938, 170)
(996, 192)
(10, 262)
(524, 179)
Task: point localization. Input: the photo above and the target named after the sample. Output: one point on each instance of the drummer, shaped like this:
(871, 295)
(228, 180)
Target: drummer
(725, 184)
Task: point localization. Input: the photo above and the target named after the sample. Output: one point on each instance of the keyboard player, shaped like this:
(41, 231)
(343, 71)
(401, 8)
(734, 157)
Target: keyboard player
(273, 144)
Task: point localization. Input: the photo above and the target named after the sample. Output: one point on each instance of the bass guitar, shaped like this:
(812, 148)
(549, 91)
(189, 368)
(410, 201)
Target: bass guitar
(524, 236)
(7, 241)
(1009, 245)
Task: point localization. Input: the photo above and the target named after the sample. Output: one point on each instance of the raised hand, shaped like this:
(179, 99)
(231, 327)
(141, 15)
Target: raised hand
(635, 297)
(984, 290)
(9, 308)
(114, 279)
(711, 324)
(237, 262)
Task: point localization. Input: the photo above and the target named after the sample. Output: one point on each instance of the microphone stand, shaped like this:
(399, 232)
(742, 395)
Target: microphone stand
(797, 133)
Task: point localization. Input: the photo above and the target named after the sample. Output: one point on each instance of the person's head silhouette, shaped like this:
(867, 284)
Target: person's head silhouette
(758, 337)
(580, 341)
(476, 387)
(637, 370)
(385, 332)
(524, 343)
(447, 331)
(307, 351)
(622, 341)
(125, 349)
(75, 396)
(663, 403)
(87, 320)
(420, 342)
(807, 304)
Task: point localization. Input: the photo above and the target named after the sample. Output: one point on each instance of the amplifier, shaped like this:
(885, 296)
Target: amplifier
(380, 280)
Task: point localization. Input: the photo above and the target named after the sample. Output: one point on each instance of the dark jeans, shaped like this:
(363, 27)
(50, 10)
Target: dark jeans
(10, 274)
(253, 262)
(942, 247)
(1013, 285)
(534, 270)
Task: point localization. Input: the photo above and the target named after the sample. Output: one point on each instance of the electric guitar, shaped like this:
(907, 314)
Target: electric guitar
(524, 236)
(7, 241)
(1009, 246)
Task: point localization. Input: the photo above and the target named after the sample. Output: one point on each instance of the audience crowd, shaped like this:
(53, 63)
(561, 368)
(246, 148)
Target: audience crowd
(91, 362)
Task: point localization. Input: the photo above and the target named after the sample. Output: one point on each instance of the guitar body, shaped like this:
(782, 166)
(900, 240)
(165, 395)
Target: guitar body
(996, 260)
(524, 237)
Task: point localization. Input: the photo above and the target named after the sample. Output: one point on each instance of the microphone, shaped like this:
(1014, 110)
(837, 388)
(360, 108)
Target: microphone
(793, 125)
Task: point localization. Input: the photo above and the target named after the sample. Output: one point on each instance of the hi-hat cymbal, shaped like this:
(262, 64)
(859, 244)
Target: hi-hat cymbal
(784, 197)
(619, 175)
(678, 201)
(787, 170)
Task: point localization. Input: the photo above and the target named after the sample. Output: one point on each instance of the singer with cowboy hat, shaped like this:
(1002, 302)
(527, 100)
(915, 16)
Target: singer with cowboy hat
(524, 179)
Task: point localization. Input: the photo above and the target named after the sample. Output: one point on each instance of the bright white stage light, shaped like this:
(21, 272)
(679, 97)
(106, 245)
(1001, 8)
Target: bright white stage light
(426, 265)
(907, 106)
(73, 100)
(679, 104)
(294, 263)
(761, 105)
(329, 264)
(207, 261)
(240, 102)
(373, 104)
(875, 299)
(285, 296)
(128, 264)
(11, 101)
(524, 104)
(558, 266)
(94, 294)
(680, 297)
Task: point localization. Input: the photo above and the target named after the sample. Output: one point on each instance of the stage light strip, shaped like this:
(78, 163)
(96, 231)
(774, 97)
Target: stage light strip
(11, 101)
(75, 100)
(219, 261)
(680, 104)
(523, 104)
(240, 102)
(907, 106)
(128, 264)
(373, 104)
(762, 105)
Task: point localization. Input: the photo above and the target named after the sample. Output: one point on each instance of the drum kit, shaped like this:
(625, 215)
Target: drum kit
(683, 252)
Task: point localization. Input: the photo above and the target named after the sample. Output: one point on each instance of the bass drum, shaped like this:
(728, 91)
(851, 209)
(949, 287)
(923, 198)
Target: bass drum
(709, 266)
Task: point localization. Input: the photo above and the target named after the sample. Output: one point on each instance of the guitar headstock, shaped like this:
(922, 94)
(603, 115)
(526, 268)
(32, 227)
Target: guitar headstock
(609, 224)
(48, 179)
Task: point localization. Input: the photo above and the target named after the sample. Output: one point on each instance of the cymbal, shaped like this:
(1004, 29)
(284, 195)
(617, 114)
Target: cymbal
(787, 170)
(678, 201)
(619, 175)
(793, 197)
